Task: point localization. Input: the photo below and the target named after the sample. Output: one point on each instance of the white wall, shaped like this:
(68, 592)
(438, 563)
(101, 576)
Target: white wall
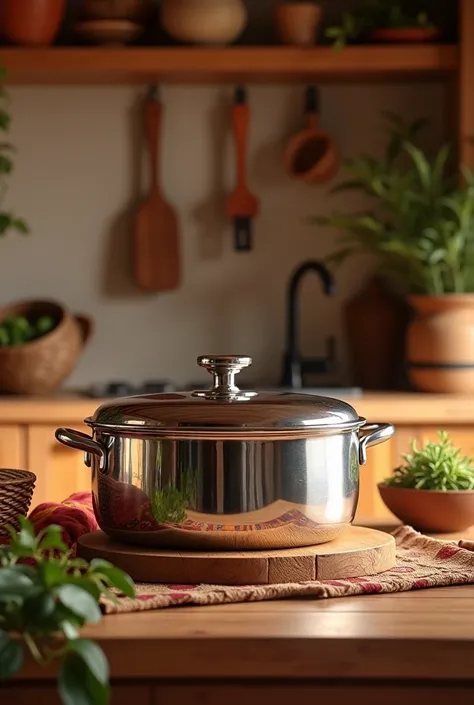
(77, 180)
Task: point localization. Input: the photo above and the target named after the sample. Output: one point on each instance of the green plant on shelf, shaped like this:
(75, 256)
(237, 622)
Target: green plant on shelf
(437, 466)
(44, 602)
(420, 225)
(8, 220)
(378, 14)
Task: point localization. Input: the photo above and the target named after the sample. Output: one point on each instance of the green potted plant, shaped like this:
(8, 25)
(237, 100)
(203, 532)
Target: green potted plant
(46, 596)
(382, 21)
(8, 220)
(420, 228)
(433, 489)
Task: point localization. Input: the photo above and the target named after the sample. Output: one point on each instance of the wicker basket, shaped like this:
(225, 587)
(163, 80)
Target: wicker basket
(41, 366)
(16, 491)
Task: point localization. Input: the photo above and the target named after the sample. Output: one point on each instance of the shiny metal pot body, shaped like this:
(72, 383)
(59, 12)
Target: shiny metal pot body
(269, 490)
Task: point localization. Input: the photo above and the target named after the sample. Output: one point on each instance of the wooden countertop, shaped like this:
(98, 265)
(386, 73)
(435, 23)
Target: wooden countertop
(399, 408)
(427, 634)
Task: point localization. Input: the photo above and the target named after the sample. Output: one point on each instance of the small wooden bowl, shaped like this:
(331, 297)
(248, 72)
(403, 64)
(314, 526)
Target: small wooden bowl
(430, 510)
(16, 492)
(135, 10)
(109, 32)
(405, 35)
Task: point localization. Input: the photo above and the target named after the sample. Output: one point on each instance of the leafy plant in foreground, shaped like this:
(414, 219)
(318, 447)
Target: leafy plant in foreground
(45, 600)
(436, 466)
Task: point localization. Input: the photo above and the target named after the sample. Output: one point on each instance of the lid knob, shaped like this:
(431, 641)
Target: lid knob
(224, 368)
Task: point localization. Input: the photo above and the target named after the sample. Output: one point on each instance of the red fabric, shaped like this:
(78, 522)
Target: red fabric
(75, 515)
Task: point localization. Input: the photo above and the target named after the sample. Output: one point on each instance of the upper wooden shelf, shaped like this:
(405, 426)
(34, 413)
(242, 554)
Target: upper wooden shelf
(84, 65)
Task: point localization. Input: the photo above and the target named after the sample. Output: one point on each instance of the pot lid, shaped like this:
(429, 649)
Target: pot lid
(225, 408)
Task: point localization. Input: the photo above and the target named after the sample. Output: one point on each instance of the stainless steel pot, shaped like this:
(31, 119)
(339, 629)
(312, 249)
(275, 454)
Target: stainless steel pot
(224, 468)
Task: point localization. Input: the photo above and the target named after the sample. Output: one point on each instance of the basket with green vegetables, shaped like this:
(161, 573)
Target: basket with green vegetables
(437, 466)
(18, 330)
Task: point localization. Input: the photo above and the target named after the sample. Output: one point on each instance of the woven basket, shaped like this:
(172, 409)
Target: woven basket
(16, 491)
(42, 365)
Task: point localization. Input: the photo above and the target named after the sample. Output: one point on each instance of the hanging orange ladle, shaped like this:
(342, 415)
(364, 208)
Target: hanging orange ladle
(311, 155)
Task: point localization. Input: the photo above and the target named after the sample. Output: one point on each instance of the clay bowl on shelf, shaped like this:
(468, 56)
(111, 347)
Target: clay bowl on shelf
(405, 34)
(430, 510)
(109, 32)
(42, 365)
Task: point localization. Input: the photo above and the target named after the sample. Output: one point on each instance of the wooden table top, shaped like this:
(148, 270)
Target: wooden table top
(423, 635)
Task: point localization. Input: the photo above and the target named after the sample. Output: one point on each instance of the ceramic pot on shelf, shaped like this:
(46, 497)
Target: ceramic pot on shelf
(297, 22)
(31, 22)
(211, 22)
(440, 344)
(375, 322)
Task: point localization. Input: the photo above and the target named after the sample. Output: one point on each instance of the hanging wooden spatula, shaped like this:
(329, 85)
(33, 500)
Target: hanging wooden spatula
(156, 238)
(241, 205)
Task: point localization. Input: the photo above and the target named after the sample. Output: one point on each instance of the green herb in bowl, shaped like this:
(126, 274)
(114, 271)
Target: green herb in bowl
(437, 466)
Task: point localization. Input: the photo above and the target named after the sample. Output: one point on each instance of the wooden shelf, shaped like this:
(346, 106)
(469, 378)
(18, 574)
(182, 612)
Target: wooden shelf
(84, 65)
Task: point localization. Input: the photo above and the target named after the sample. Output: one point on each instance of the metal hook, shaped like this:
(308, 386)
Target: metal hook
(153, 92)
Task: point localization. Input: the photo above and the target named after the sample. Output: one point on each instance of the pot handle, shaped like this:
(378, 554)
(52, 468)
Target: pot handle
(81, 441)
(371, 435)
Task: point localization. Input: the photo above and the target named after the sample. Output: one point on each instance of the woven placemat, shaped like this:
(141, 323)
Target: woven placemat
(422, 562)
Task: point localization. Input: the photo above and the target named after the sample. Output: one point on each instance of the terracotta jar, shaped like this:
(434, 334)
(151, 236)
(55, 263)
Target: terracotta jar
(375, 322)
(440, 344)
(297, 23)
(204, 21)
(31, 22)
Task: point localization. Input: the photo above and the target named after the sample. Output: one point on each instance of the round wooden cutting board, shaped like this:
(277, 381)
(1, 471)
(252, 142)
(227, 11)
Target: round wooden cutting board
(355, 553)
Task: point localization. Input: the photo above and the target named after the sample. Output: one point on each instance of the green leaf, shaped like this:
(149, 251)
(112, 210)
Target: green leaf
(78, 686)
(85, 583)
(53, 538)
(21, 226)
(6, 221)
(80, 602)
(13, 583)
(11, 656)
(93, 657)
(6, 164)
(4, 120)
(70, 630)
(116, 578)
(39, 607)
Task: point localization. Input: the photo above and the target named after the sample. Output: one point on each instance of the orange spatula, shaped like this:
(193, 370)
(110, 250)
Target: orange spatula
(156, 239)
(242, 206)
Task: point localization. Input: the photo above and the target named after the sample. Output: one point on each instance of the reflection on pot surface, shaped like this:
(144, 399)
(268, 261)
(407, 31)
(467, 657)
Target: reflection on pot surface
(286, 491)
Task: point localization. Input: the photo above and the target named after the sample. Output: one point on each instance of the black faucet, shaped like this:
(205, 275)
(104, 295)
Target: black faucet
(294, 366)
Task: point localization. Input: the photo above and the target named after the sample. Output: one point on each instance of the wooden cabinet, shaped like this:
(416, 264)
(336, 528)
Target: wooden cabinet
(60, 471)
(13, 447)
(27, 441)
